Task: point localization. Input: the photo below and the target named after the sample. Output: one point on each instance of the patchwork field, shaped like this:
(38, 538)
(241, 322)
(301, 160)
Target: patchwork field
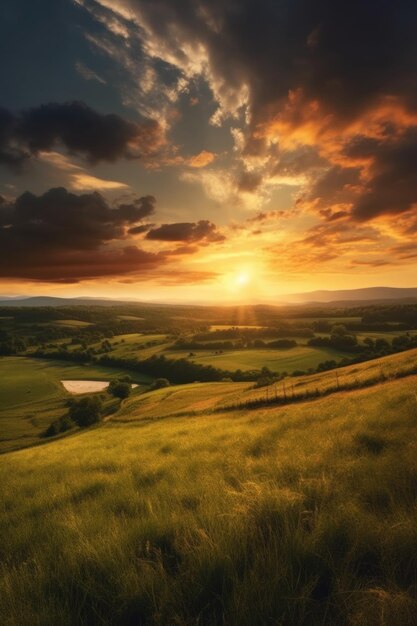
(300, 515)
(301, 357)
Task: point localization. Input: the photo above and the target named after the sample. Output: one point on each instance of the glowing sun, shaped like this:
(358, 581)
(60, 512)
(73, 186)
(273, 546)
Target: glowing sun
(242, 279)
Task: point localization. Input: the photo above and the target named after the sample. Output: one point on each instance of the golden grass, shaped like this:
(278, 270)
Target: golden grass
(297, 515)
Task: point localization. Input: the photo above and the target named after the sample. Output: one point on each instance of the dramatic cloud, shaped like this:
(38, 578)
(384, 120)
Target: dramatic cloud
(202, 231)
(63, 236)
(59, 219)
(343, 59)
(77, 127)
(392, 186)
(294, 121)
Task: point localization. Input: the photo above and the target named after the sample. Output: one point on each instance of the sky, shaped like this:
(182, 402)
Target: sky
(207, 150)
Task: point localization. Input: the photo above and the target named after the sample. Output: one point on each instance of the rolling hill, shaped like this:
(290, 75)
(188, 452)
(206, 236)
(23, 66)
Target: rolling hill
(181, 512)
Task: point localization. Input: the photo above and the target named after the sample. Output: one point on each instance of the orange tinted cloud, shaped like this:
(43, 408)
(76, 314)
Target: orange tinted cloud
(201, 159)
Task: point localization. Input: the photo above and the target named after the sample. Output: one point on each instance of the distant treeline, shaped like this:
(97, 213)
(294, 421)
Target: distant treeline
(181, 371)
(177, 371)
(182, 344)
(254, 333)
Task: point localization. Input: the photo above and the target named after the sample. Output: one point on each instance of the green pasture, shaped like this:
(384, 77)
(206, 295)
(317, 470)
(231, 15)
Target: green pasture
(31, 395)
(278, 360)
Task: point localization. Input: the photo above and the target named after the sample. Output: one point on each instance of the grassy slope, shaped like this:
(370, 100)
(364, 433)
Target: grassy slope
(299, 515)
(31, 395)
(196, 397)
(204, 397)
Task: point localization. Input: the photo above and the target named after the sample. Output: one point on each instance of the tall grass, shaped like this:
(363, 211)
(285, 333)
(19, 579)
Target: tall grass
(298, 515)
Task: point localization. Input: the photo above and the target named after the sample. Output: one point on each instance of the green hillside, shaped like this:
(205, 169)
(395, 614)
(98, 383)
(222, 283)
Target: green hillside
(296, 515)
(32, 396)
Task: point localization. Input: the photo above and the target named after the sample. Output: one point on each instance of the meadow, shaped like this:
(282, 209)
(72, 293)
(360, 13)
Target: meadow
(278, 360)
(296, 515)
(32, 396)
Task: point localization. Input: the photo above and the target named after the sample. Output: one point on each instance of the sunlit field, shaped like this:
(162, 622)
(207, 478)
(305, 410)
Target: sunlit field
(299, 515)
(279, 360)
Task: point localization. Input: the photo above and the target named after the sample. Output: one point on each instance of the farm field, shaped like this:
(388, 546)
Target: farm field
(31, 395)
(135, 344)
(278, 360)
(299, 515)
(72, 323)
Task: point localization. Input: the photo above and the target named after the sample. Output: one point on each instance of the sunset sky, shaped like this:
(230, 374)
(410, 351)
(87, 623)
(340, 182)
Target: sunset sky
(207, 150)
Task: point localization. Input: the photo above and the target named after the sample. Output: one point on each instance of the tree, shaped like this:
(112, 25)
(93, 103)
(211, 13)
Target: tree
(86, 411)
(119, 389)
(339, 330)
(266, 378)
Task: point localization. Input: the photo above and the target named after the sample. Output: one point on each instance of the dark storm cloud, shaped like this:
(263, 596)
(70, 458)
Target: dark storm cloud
(202, 231)
(62, 219)
(61, 236)
(343, 55)
(137, 230)
(77, 127)
(305, 73)
(71, 266)
(392, 187)
(384, 184)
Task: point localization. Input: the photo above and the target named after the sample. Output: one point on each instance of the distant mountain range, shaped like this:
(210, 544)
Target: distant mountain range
(51, 301)
(370, 294)
(342, 297)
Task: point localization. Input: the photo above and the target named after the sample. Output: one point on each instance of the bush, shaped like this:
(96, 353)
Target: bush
(58, 426)
(119, 389)
(264, 381)
(86, 411)
(160, 383)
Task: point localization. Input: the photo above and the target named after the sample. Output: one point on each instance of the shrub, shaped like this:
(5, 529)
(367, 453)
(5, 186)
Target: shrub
(58, 426)
(86, 411)
(160, 383)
